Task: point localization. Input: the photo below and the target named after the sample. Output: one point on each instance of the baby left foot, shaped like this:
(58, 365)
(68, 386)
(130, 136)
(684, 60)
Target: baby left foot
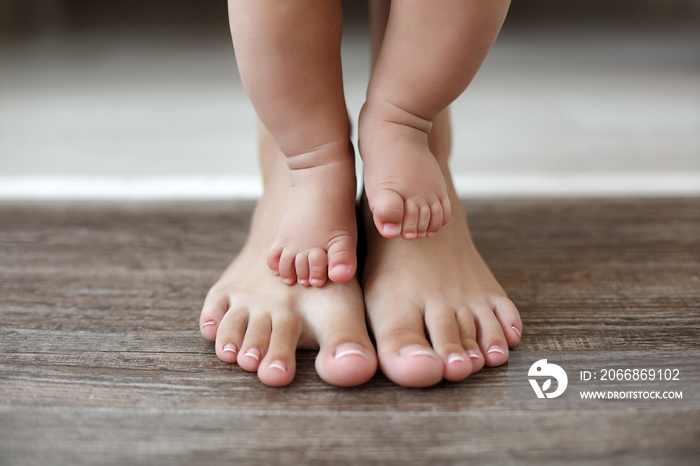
(405, 189)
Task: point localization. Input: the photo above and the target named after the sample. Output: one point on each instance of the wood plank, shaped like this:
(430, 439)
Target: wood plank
(101, 361)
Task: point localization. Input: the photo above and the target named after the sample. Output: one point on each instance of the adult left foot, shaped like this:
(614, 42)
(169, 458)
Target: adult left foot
(435, 308)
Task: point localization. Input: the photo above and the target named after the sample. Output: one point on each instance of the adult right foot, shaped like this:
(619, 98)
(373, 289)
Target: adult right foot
(258, 322)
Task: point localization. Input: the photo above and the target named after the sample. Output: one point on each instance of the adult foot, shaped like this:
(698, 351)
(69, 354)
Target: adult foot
(435, 308)
(258, 322)
(404, 185)
(317, 232)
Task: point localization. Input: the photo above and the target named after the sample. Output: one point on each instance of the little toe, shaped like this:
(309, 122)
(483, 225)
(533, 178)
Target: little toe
(273, 259)
(213, 310)
(446, 209)
(279, 365)
(509, 318)
(301, 267)
(387, 208)
(409, 230)
(318, 269)
(342, 259)
(286, 268)
(444, 334)
(490, 337)
(436, 219)
(255, 343)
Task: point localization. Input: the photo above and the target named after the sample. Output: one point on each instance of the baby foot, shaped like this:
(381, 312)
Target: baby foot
(435, 309)
(405, 188)
(317, 233)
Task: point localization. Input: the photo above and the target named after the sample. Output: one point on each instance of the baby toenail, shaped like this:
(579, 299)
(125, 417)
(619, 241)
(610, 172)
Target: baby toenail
(391, 229)
(454, 358)
(472, 354)
(348, 349)
(279, 365)
(340, 268)
(288, 281)
(415, 350)
(210, 322)
(230, 348)
(495, 349)
(516, 330)
(316, 282)
(253, 353)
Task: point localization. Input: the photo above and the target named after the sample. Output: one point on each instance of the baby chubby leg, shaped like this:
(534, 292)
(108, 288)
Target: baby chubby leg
(288, 55)
(429, 54)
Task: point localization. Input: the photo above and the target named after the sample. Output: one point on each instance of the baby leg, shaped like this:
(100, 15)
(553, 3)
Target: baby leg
(430, 53)
(288, 55)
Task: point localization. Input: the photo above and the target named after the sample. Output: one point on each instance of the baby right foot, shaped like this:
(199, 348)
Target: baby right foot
(404, 185)
(317, 233)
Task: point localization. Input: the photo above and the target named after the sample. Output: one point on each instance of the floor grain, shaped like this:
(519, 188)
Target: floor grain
(101, 361)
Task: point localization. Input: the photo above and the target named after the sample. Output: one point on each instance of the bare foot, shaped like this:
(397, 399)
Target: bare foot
(317, 232)
(259, 323)
(434, 307)
(405, 188)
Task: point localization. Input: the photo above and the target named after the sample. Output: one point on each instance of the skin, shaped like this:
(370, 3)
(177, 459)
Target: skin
(435, 309)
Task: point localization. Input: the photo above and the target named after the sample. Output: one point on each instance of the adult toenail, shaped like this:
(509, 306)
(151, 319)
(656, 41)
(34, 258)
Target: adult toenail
(472, 354)
(495, 349)
(252, 353)
(348, 349)
(230, 348)
(454, 358)
(415, 350)
(516, 330)
(211, 322)
(391, 229)
(279, 365)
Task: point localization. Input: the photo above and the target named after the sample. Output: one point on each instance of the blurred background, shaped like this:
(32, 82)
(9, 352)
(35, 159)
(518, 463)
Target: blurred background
(142, 99)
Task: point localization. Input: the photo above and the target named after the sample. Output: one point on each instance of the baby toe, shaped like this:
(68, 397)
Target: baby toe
(318, 269)
(387, 208)
(409, 230)
(286, 267)
(301, 267)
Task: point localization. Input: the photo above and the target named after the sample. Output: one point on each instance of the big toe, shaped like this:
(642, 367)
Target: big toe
(342, 260)
(347, 357)
(387, 208)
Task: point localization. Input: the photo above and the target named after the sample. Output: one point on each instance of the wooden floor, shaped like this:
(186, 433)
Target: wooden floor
(101, 361)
